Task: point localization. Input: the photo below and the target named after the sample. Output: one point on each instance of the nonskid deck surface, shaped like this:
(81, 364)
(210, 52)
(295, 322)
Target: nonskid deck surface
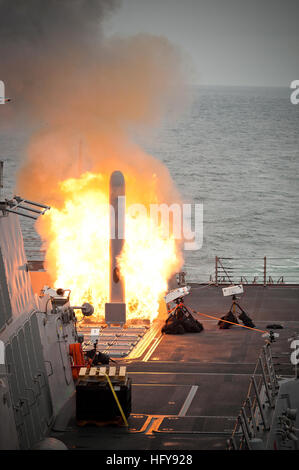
(188, 389)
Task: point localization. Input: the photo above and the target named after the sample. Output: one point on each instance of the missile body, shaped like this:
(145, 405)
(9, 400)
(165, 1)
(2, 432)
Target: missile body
(115, 310)
(117, 234)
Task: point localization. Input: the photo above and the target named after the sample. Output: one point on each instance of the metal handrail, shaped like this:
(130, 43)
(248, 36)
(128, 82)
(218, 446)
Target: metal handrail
(235, 274)
(253, 413)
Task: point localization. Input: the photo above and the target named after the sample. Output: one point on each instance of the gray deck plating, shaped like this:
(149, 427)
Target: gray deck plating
(206, 375)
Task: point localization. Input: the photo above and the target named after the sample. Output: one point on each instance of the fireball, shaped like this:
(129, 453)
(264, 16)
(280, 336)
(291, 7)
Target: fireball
(76, 237)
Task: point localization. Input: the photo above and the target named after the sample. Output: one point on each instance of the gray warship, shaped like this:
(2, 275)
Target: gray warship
(231, 389)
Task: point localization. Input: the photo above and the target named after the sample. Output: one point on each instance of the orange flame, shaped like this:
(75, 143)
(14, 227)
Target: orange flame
(77, 245)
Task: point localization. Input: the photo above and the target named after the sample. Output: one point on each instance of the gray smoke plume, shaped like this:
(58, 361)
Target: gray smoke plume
(41, 22)
(38, 36)
(47, 20)
(76, 86)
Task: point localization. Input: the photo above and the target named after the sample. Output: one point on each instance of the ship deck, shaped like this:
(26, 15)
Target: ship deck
(188, 389)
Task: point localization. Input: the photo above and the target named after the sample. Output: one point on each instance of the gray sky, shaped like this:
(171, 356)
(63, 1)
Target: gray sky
(230, 42)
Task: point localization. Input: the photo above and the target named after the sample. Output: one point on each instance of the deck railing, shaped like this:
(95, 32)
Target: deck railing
(254, 416)
(266, 271)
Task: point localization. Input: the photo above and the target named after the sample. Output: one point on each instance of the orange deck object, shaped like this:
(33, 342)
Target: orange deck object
(77, 356)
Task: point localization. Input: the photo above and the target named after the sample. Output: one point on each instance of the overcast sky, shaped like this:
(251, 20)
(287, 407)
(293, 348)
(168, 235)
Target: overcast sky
(230, 42)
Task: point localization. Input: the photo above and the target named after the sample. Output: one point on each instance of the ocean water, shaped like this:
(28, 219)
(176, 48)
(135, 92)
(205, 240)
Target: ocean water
(236, 151)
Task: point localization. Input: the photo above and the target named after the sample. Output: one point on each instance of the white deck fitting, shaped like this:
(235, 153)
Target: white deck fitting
(99, 373)
(112, 371)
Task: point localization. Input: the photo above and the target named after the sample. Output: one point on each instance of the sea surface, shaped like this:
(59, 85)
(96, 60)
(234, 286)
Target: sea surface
(236, 151)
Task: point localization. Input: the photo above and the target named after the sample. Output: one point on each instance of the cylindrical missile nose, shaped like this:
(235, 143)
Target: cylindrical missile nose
(117, 179)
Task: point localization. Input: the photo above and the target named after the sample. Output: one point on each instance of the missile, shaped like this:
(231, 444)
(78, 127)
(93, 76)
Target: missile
(115, 310)
(117, 232)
